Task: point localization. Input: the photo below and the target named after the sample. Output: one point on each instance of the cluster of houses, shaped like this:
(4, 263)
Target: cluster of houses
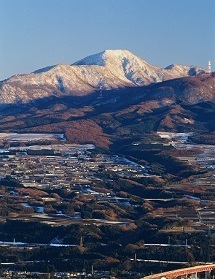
(62, 165)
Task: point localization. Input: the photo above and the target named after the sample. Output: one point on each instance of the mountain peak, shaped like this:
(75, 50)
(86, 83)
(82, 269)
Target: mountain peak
(190, 70)
(106, 56)
(116, 52)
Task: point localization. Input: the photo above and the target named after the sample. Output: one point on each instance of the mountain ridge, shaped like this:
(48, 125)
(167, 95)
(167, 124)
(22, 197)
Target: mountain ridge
(114, 117)
(107, 70)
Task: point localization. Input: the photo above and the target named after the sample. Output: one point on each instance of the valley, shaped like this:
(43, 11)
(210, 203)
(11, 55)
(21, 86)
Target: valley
(106, 169)
(107, 139)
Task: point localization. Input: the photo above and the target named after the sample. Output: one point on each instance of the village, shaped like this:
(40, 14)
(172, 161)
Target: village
(61, 166)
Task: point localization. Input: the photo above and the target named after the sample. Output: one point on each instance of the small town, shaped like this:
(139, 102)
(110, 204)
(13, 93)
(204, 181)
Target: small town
(68, 166)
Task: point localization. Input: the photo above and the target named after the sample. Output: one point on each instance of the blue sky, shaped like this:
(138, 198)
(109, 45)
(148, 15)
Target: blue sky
(38, 33)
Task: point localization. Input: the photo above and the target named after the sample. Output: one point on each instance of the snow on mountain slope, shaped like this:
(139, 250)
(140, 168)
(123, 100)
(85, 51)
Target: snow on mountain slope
(124, 64)
(107, 70)
(136, 70)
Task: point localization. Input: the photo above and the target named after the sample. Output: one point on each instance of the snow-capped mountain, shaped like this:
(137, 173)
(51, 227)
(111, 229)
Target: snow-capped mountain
(125, 64)
(107, 70)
